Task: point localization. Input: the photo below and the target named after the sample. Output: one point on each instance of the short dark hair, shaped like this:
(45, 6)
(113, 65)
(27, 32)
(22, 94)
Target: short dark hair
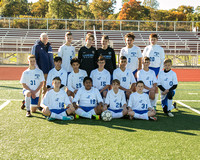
(167, 60)
(89, 35)
(115, 81)
(139, 82)
(57, 78)
(57, 58)
(146, 59)
(153, 35)
(68, 34)
(75, 59)
(123, 57)
(105, 37)
(101, 58)
(130, 35)
(87, 78)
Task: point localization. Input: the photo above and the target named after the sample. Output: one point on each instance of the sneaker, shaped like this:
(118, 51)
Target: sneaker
(154, 107)
(97, 117)
(76, 116)
(28, 114)
(170, 114)
(153, 118)
(23, 104)
(67, 118)
(50, 119)
(175, 106)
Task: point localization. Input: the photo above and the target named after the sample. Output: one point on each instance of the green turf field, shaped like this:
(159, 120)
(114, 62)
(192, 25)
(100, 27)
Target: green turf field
(37, 138)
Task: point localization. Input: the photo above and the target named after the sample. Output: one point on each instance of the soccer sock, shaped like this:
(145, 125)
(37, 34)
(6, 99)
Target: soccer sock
(104, 99)
(170, 107)
(152, 102)
(117, 115)
(82, 113)
(141, 116)
(70, 98)
(56, 116)
(93, 112)
(27, 103)
(155, 100)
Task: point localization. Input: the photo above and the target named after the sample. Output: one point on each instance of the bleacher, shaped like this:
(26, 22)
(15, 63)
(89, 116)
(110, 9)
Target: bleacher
(22, 40)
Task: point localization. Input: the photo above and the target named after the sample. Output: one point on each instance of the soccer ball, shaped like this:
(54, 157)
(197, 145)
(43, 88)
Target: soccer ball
(106, 115)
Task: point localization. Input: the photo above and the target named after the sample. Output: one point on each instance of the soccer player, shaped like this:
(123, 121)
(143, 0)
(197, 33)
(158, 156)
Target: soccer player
(156, 55)
(57, 71)
(86, 55)
(125, 76)
(67, 52)
(167, 82)
(132, 53)
(148, 76)
(75, 79)
(108, 53)
(90, 101)
(139, 105)
(32, 81)
(116, 101)
(101, 77)
(54, 103)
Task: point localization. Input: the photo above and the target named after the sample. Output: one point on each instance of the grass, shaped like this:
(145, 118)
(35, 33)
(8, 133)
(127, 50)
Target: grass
(37, 138)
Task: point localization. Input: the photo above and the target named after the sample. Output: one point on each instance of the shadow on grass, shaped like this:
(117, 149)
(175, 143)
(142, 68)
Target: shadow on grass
(182, 123)
(10, 87)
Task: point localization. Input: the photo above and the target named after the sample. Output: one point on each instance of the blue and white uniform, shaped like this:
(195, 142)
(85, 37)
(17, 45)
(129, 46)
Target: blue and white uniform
(75, 80)
(100, 78)
(66, 53)
(132, 55)
(55, 73)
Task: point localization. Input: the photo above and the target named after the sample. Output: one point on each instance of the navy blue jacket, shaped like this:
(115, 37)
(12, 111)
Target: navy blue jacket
(44, 56)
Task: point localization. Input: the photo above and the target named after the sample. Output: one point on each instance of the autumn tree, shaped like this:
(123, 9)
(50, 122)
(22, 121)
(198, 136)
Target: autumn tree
(40, 8)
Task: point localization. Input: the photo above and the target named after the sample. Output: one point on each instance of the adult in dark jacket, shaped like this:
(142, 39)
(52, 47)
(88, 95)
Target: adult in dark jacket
(44, 56)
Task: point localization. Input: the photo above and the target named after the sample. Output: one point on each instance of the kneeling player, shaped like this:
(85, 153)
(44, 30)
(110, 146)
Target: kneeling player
(54, 103)
(90, 101)
(139, 105)
(32, 81)
(116, 101)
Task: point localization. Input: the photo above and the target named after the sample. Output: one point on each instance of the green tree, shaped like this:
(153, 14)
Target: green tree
(151, 3)
(40, 8)
(185, 9)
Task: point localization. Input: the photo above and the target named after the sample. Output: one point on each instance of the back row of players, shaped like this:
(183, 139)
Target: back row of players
(88, 88)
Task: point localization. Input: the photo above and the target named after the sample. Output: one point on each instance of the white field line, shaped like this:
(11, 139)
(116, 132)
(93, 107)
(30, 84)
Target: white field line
(4, 104)
(188, 107)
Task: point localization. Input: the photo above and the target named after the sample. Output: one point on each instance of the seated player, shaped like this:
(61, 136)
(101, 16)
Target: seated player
(148, 76)
(116, 101)
(57, 71)
(75, 78)
(167, 82)
(125, 77)
(139, 105)
(32, 81)
(89, 99)
(54, 103)
(101, 77)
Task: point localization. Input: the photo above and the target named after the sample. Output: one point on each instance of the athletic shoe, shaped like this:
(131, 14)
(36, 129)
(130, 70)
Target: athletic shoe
(23, 104)
(50, 119)
(28, 114)
(154, 107)
(97, 117)
(67, 118)
(170, 114)
(40, 108)
(153, 118)
(76, 116)
(175, 106)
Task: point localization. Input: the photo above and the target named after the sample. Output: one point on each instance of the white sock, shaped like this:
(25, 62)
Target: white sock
(82, 113)
(104, 99)
(70, 98)
(170, 107)
(56, 116)
(92, 112)
(155, 100)
(117, 115)
(152, 102)
(141, 116)
(27, 103)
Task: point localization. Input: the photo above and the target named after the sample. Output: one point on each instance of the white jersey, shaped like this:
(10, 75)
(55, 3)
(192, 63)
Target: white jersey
(148, 77)
(139, 101)
(66, 53)
(54, 73)
(116, 101)
(126, 78)
(100, 79)
(132, 55)
(75, 80)
(156, 55)
(32, 78)
(88, 98)
(167, 80)
(56, 100)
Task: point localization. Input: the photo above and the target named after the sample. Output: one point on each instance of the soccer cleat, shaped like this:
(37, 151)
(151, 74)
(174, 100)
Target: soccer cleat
(153, 118)
(175, 106)
(23, 104)
(28, 114)
(170, 114)
(76, 116)
(67, 118)
(50, 119)
(97, 117)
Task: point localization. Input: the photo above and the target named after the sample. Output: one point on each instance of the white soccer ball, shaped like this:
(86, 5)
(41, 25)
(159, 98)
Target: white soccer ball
(106, 115)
